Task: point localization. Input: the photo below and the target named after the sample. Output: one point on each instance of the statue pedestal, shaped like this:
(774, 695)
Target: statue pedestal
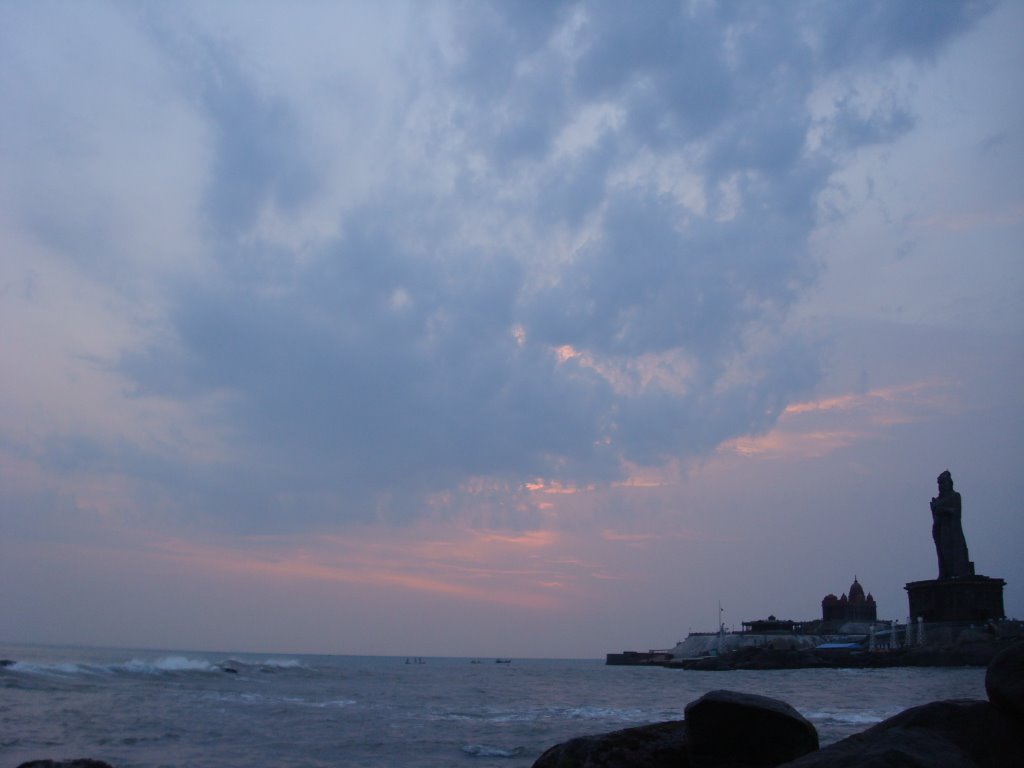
(966, 599)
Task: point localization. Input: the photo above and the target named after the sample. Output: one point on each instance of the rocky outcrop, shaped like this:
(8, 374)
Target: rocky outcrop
(722, 728)
(1004, 682)
(662, 745)
(726, 728)
(943, 734)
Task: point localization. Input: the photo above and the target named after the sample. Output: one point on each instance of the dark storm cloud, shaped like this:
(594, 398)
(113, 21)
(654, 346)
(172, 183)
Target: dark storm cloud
(407, 355)
(379, 369)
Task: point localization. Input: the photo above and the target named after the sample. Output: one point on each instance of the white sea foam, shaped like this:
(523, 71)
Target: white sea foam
(847, 718)
(533, 714)
(482, 750)
(608, 713)
(267, 665)
(132, 667)
(271, 700)
(283, 664)
(332, 703)
(166, 664)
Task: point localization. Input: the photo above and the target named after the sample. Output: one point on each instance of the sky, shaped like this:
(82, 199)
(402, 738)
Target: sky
(528, 329)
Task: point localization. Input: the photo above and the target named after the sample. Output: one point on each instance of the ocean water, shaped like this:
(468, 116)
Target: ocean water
(143, 709)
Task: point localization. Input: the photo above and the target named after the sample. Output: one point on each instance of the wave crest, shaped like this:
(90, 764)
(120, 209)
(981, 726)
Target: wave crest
(164, 665)
(483, 750)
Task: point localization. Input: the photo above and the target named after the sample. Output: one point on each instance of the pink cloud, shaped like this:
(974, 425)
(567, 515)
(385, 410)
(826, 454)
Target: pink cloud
(470, 566)
(816, 428)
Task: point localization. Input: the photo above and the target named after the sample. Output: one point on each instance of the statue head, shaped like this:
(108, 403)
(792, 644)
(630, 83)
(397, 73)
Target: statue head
(945, 482)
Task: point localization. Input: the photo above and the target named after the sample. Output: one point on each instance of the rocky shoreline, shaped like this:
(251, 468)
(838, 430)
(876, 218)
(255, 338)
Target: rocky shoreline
(972, 654)
(725, 728)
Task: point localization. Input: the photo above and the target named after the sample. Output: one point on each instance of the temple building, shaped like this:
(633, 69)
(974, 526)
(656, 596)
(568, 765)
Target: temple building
(856, 607)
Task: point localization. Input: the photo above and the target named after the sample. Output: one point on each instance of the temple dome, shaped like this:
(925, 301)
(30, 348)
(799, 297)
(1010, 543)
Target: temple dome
(856, 592)
(849, 608)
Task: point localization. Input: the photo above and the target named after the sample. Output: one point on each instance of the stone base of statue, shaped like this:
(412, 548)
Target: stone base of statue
(966, 599)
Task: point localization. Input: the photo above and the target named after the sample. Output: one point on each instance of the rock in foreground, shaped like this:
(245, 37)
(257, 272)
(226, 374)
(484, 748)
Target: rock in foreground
(726, 728)
(943, 734)
(662, 745)
(722, 728)
(1004, 682)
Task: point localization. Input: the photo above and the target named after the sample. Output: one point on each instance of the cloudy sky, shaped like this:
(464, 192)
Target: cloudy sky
(526, 329)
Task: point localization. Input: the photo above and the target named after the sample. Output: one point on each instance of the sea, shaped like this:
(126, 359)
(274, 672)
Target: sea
(147, 708)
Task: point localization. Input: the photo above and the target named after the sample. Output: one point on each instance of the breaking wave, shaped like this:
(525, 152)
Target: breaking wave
(283, 664)
(482, 750)
(165, 665)
(847, 718)
(267, 665)
(63, 669)
(160, 666)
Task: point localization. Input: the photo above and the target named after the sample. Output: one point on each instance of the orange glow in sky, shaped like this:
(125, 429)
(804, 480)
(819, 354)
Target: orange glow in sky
(472, 566)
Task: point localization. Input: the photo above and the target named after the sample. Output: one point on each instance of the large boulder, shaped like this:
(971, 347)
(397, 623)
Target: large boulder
(943, 734)
(1004, 682)
(661, 745)
(726, 728)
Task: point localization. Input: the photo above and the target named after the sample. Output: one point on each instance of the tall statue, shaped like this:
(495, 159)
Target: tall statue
(950, 544)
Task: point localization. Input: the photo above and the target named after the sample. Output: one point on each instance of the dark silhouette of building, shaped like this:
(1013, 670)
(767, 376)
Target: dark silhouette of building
(856, 607)
(771, 625)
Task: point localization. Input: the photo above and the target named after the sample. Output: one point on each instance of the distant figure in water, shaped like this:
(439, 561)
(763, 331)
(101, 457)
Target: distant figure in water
(950, 544)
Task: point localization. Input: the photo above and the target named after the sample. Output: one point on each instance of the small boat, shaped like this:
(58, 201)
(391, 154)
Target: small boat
(503, 661)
